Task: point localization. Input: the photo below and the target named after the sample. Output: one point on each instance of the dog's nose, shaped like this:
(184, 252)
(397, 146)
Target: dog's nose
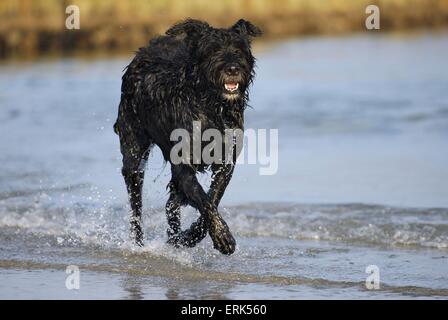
(232, 69)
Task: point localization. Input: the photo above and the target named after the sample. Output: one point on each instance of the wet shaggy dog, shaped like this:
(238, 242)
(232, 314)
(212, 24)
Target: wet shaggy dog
(193, 73)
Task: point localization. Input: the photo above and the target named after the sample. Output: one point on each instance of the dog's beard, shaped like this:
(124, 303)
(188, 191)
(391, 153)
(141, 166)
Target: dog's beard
(231, 96)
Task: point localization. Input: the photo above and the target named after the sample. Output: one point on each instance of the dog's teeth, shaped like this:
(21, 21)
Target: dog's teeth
(231, 87)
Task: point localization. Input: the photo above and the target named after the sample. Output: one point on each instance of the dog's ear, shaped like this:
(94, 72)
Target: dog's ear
(246, 28)
(187, 28)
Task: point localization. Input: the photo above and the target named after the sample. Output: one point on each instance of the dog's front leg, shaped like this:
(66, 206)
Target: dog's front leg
(185, 181)
(198, 230)
(190, 237)
(221, 176)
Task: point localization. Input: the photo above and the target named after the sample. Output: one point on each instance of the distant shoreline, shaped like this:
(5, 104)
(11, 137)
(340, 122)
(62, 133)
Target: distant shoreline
(29, 28)
(261, 45)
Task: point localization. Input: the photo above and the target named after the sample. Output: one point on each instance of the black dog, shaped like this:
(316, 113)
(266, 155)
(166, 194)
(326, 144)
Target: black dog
(193, 73)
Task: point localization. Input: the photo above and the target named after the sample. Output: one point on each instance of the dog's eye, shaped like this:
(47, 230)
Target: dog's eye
(213, 49)
(235, 51)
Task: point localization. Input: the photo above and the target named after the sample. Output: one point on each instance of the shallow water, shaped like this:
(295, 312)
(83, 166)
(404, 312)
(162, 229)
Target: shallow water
(362, 180)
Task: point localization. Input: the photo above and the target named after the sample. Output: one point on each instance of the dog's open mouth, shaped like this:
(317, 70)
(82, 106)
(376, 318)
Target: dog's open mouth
(231, 86)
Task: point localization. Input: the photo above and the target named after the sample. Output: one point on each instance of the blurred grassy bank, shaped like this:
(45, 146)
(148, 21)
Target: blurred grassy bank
(34, 27)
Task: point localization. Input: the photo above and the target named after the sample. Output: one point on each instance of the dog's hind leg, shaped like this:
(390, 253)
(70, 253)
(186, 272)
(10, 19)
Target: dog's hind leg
(186, 183)
(134, 157)
(133, 176)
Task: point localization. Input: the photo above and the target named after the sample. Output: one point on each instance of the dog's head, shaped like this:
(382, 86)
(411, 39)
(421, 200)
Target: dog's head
(223, 56)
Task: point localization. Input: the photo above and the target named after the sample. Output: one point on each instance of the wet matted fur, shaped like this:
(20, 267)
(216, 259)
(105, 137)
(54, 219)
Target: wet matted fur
(193, 73)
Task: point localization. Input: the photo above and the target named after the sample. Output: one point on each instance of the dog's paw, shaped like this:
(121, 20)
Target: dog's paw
(173, 238)
(137, 235)
(183, 239)
(190, 237)
(223, 240)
